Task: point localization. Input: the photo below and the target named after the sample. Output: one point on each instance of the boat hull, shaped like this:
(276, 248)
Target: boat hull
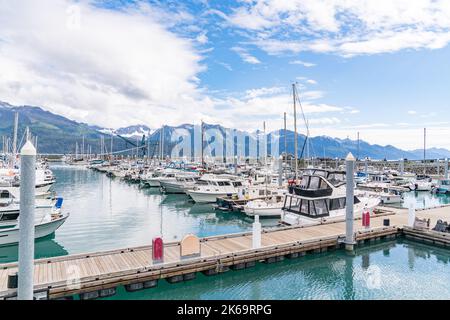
(203, 197)
(11, 236)
(170, 187)
(263, 212)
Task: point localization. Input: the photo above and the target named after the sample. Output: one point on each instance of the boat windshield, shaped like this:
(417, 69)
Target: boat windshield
(314, 208)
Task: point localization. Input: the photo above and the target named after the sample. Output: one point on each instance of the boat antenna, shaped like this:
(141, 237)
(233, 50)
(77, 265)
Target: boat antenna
(295, 131)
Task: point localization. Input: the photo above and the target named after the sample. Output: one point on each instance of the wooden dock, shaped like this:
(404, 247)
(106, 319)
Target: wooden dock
(98, 274)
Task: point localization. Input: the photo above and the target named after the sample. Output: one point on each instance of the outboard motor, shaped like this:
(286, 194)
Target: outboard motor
(59, 202)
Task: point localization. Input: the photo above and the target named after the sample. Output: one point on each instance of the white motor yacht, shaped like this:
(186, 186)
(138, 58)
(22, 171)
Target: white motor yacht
(269, 207)
(181, 183)
(321, 196)
(209, 188)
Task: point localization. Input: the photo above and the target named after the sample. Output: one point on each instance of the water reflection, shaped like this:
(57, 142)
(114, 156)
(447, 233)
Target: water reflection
(43, 248)
(424, 199)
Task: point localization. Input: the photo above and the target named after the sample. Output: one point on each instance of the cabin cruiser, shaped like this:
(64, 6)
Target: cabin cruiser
(321, 196)
(180, 184)
(424, 183)
(268, 207)
(45, 226)
(9, 211)
(442, 187)
(388, 195)
(167, 174)
(209, 188)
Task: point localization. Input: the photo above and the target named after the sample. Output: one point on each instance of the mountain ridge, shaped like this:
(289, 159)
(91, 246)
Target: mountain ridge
(47, 125)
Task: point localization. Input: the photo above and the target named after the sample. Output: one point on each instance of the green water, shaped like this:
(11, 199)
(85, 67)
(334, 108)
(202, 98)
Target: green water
(423, 200)
(110, 214)
(387, 270)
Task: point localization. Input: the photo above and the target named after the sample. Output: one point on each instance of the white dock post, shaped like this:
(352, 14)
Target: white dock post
(446, 168)
(256, 233)
(411, 215)
(350, 195)
(280, 171)
(26, 224)
(402, 167)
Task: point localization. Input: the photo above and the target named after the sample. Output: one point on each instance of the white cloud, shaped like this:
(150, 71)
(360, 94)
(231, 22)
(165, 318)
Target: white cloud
(245, 56)
(345, 27)
(254, 93)
(202, 38)
(310, 81)
(100, 66)
(412, 112)
(303, 63)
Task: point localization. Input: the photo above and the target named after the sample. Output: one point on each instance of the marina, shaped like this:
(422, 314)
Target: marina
(228, 244)
(243, 151)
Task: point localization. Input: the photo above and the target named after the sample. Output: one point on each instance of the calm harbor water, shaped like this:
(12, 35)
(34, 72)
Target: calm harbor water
(387, 270)
(110, 214)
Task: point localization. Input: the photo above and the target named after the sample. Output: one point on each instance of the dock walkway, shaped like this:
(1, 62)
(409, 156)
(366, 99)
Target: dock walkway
(98, 274)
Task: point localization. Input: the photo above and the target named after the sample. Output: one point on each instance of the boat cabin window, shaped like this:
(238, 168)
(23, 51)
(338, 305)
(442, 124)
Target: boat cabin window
(5, 194)
(314, 208)
(313, 183)
(223, 183)
(337, 179)
(445, 183)
(237, 184)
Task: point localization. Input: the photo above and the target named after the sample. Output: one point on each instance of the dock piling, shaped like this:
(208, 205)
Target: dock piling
(411, 215)
(256, 233)
(26, 223)
(350, 194)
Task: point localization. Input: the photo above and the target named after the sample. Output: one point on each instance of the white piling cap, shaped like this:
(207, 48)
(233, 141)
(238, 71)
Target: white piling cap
(350, 157)
(28, 149)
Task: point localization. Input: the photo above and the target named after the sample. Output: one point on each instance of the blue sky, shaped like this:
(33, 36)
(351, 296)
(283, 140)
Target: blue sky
(380, 68)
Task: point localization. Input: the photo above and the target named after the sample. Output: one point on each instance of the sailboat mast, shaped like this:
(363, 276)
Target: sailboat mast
(285, 132)
(357, 158)
(162, 143)
(202, 147)
(16, 125)
(424, 150)
(295, 132)
(112, 144)
(265, 144)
